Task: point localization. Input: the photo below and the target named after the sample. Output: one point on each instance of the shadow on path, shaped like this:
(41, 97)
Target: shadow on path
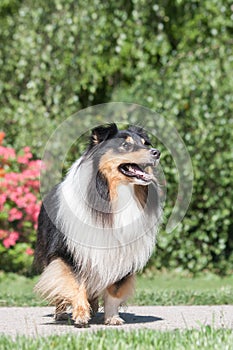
(98, 319)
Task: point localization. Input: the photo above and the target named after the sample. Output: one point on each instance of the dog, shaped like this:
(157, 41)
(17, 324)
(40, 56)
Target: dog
(97, 228)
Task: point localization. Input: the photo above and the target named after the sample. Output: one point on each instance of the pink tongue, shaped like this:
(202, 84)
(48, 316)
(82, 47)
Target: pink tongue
(137, 171)
(141, 173)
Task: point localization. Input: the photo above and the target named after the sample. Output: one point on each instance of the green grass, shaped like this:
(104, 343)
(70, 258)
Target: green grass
(17, 290)
(205, 338)
(177, 289)
(156, 289)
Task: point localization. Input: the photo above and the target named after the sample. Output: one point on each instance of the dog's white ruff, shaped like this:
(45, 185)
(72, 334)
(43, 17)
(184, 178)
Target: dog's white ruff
(104, 255)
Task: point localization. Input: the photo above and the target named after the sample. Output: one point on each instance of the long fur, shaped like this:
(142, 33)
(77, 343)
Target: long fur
(102, 232)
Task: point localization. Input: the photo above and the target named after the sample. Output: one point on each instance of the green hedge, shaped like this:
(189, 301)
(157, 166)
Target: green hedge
(175, 57)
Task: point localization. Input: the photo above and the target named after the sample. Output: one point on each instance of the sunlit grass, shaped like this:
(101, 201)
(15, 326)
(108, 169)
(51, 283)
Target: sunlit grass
(205, 338)
(151, 289)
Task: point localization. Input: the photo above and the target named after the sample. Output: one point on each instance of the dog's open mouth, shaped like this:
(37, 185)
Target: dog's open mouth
(134, 170)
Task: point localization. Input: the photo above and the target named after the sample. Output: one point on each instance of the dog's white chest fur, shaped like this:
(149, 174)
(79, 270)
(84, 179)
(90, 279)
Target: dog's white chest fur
(126, 209)
(104, 255)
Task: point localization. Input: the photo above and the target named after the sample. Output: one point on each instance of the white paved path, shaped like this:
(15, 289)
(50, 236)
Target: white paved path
(34, 321)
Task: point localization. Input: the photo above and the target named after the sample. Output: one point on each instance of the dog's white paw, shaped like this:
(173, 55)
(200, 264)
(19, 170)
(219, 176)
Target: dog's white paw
(114, 321)
(81, 324)
(81, 316)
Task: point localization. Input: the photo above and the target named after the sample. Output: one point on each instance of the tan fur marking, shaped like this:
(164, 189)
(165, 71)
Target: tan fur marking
(140, 156)
(81, 307)
(58, 285)
(129, 139)
(143, 141)
(125, 290)
(149, 170)
(109, 167)
(95, 139)
(81, 313)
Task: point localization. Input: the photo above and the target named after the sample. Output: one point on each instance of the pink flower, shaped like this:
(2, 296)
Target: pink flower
(36, 213)
(12, 178)
(6, 152)
(19, 201)
(2, 200)
(11, 239)
(25, 159)
(15, 214)
(26, 149)
(19, 192)
(29, 251)
(13, 197)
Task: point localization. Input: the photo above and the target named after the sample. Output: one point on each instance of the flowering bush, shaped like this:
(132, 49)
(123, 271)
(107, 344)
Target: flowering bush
(19, 207)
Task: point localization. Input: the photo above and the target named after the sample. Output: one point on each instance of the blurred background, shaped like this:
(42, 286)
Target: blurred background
(173, 56)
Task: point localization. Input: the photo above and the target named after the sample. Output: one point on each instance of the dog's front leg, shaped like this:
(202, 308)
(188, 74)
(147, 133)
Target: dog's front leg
(81, 308)
(114, 295)
(58, 284)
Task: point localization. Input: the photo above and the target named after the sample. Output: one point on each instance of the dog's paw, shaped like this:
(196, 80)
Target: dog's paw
(81, 324)
(114, 321)
(63, 316)
(81, 316)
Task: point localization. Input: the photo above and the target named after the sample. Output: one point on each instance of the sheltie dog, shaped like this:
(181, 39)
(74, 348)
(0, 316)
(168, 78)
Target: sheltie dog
(98, 226)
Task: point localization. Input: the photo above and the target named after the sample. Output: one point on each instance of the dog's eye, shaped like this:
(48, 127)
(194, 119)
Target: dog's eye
(128, 146)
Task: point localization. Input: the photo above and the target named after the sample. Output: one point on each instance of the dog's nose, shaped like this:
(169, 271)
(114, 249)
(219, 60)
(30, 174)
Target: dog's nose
(155, 153)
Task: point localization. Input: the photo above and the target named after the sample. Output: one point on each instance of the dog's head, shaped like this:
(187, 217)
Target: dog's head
(124, 156)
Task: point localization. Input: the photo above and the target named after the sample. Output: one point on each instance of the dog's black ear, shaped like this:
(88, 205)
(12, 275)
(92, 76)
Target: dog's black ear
(103, 133)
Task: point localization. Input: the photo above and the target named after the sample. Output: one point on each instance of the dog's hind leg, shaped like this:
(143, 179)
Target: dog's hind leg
(60, 312)
(59, 286)
(94, 303)
(114, 296)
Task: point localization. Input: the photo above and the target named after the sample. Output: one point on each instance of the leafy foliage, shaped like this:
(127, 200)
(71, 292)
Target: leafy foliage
(175, 57)
(19, 206)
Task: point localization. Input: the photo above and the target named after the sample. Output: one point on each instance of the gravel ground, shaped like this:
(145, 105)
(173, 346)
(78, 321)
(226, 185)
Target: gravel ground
(37, 321)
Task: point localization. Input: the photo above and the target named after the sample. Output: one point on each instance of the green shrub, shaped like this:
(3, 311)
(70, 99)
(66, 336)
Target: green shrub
(193, 92)
(174, 57)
